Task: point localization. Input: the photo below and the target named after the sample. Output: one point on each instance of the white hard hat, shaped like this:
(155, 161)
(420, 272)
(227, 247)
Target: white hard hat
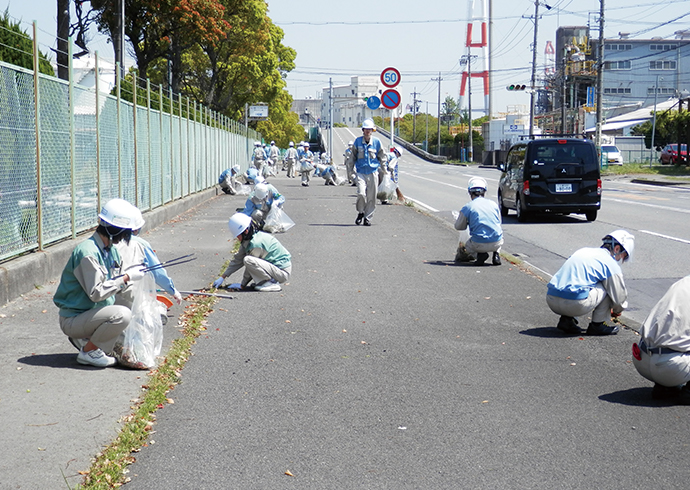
(350, 143)
(138, 219)
(625, 240)
(397, 149)
(291, 143)
(257, 143)
(476, 183)
(236, 169)
(273, 142)
(368, 124)
(118, 212)
(238, 223)
(261, 191)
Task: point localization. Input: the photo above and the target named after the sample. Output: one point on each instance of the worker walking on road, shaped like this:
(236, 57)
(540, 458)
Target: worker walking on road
(89, 283)
(663, 353)
(306, 164)
(350, 164)
(483, 218)
(367, 155)
(265, 260)
(291, 158)
(259, 157)
(591, 281)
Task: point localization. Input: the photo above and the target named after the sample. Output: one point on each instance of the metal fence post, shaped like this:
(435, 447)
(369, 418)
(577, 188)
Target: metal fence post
(98, 135)
(148, 131)
(134, 128)
(160, 131)
(189, 158)
(72, 140)
(37, 122)
(119, 130)
(172, 146)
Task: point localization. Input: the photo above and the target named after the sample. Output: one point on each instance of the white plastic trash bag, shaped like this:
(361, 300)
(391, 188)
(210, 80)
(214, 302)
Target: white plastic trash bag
(244, 190)
(277, 221)
(142, 340)
(386, 190)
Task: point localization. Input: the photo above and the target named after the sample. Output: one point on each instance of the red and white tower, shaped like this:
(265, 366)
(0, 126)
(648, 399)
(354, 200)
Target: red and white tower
(468, 72)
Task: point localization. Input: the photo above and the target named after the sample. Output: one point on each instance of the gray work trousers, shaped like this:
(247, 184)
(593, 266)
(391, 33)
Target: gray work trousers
(101, 325)
(367, 186)
(260, 270)
(598, 303)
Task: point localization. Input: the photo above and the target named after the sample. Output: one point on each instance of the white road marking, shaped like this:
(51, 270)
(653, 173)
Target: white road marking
(655, 206)
(423, 205)
(665, 236)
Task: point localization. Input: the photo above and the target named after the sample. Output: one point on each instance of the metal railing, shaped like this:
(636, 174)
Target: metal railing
(66, 149)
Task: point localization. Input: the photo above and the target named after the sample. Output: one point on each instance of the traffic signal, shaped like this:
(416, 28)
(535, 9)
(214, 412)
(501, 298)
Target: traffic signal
(516, 87)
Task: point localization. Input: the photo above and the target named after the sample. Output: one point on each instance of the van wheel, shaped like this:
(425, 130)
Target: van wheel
(591, 215)
(521, 213)
(504, 210)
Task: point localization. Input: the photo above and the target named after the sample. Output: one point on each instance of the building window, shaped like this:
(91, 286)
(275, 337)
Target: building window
(662, 65)
(661, 91)
(662, 47)
(617, 90)
(618, 47)
(617, 65)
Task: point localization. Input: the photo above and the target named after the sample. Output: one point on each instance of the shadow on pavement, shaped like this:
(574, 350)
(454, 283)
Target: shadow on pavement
(54, 361)
(547, 332)
(635, 397)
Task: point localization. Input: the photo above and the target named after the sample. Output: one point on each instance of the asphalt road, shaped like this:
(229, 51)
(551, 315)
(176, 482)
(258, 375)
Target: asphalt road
(384, 365)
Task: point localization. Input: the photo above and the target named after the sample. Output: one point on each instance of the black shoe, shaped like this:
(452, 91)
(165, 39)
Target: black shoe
(496, 259)
(601, 328)
(683, 395)
(359, 219)
(367, 222)
(481, 258)
(660, 392)
(568, 324)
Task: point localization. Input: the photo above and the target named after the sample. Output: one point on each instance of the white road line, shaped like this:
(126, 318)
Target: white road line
(423, 205)
(655, 206)
(665, 236)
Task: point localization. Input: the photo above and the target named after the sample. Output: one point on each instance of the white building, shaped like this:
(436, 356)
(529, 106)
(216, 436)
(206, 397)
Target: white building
(349, 106)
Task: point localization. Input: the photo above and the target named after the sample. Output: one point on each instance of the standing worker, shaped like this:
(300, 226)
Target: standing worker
(350, 164)
(291, 158)
(591, 281)
(274, 154)
(306, 164)
(263, 257)
(483, 218)
(662, 353)
(89, 282)
(259, 156)
(367, 155)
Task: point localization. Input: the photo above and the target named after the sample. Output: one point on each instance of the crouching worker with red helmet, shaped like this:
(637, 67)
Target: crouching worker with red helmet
(89, 282)
(263, 257)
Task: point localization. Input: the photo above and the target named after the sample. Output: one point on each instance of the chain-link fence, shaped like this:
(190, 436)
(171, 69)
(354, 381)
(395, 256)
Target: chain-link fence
(66, 149)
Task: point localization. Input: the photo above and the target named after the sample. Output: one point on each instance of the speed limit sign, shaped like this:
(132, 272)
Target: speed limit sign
(390, 77)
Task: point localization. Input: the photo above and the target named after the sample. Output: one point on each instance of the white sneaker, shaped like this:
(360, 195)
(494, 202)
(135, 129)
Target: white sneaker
(95, 358)
(268, 287)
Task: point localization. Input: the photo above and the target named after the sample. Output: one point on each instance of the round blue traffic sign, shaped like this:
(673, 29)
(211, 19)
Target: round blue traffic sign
(390, 99)
(373, 102)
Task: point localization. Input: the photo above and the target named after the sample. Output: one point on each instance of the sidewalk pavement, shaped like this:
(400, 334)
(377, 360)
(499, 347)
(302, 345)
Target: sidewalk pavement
(377, 332)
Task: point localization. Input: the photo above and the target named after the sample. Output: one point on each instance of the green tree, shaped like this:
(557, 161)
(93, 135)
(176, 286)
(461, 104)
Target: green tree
(16, 47)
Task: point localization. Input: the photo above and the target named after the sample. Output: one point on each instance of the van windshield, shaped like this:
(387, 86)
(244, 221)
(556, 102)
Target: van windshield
(555, 153)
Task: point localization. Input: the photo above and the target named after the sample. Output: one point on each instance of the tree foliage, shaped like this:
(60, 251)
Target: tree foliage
(16, 46)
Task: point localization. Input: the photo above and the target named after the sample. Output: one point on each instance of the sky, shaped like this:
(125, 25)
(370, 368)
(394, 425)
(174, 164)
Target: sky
(336, 40)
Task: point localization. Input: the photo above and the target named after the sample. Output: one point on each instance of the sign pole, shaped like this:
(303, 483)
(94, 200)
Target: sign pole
(392, 127)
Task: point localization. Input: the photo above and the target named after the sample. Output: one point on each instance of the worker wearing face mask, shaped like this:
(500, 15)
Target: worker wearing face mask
(591, 281)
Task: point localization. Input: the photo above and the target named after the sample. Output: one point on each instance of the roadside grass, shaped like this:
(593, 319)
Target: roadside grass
(109, 468)
(679, 171)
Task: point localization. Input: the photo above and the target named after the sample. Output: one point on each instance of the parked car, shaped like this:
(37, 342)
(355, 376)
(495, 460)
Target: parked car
(612, 154)
(552, 175)
(670, 154)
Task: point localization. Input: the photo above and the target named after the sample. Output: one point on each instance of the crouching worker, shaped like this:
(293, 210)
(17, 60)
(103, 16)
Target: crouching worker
(663, 353)
(86, 294)
(591, 281)
(228, 180)
(261, 201)
(483, 218)
(265, 260)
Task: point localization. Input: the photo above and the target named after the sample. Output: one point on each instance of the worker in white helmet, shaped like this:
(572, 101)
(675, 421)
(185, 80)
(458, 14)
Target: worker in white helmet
(265, 260)
(367, 155)
(591, 282)
(261, 200)
(291, 159)
(274, 153)
(259, 157)
(228, 180)
(483, 219)
(89, 283)
(306, 164)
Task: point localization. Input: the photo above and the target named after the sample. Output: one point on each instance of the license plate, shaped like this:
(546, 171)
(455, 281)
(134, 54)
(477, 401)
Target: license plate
(564, 187)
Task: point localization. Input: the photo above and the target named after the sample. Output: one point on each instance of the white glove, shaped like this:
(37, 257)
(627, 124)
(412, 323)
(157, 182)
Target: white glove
(136, 272)
(178, 297)
(218, 282)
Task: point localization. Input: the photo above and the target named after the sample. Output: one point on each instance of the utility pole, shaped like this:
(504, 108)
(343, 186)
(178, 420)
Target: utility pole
(533, 81)
(330, 118)
(414, 116)
(563, 111)
(600, 72)
(426, 138)
(468, 59)
(438, 144)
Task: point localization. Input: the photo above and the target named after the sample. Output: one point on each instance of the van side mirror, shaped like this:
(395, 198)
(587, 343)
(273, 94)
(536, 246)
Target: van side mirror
(501, 166)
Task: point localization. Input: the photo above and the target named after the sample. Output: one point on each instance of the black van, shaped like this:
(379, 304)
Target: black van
(554, 175)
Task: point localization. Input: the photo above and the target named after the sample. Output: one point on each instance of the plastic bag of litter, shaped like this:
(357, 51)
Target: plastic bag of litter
(244, 190)
(386, 190)
(142, 340)
(277, 221)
